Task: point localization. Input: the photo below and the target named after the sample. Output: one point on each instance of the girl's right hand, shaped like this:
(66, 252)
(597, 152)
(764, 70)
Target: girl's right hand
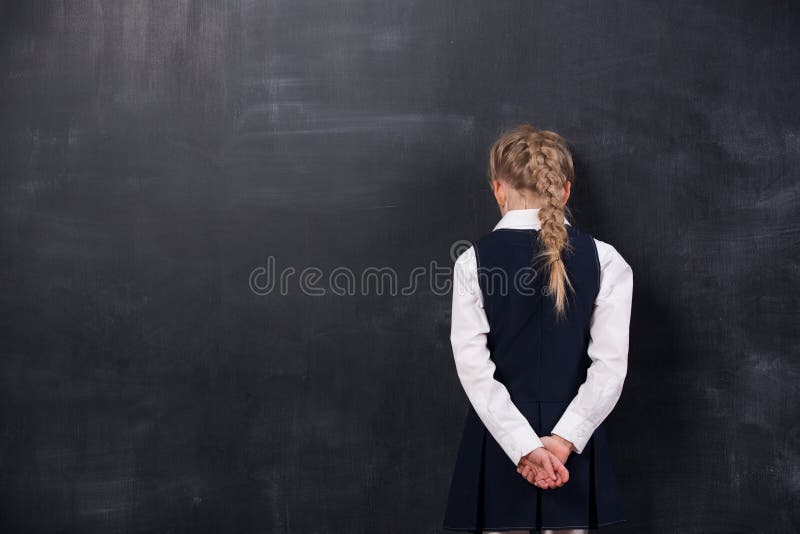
(543, 469)
(559, 446)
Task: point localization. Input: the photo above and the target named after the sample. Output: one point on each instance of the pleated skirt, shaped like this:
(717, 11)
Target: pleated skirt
(487, 493)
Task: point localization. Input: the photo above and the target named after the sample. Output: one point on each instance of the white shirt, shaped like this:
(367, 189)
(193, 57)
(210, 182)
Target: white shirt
(608, 350)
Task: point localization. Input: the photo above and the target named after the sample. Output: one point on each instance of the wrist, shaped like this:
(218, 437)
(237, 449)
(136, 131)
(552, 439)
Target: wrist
(534, 450)
(563, 441)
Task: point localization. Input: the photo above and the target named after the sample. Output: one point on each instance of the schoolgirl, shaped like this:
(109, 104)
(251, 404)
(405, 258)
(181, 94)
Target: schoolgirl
(540, 320)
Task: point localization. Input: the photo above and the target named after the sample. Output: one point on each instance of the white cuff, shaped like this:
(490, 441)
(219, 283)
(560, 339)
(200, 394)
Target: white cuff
(525, 440)
(574, 428)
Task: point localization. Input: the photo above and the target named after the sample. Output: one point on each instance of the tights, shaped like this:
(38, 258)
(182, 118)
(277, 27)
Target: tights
(544, 531)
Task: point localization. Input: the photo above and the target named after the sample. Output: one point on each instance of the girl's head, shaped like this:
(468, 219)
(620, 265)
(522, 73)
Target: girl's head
(530, 168)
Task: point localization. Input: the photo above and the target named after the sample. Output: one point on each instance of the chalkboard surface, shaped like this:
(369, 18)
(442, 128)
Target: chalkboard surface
(162, 162)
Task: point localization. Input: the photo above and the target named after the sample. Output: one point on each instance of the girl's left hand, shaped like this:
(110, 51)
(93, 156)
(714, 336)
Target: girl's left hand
(525, 469)
(528, 469)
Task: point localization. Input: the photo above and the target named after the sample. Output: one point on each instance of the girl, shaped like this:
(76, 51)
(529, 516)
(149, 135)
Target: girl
(540, 320)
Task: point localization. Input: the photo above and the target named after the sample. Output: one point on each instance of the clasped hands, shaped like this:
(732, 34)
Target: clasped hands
(544, 466)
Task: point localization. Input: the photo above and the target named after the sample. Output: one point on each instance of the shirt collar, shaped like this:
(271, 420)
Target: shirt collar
(527, 219)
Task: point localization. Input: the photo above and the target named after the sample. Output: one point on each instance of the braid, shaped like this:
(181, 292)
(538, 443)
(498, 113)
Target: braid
(548, 182)
(539, 161)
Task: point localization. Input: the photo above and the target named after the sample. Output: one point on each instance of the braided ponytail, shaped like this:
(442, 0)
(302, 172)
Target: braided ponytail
(539, 161)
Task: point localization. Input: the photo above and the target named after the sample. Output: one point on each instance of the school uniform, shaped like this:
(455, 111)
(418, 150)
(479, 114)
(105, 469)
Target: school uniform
(528, 374)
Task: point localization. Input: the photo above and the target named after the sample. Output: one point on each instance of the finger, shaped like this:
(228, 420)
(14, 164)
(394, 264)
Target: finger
(557, 466)
(525, 462)
(552, 467)
(548, 468)
(530, 476)
(563, 474)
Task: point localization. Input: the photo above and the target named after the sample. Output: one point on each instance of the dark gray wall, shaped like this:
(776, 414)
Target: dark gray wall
(155, 153)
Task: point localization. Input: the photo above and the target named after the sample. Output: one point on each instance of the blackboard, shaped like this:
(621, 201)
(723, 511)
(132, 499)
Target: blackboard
(158, 157)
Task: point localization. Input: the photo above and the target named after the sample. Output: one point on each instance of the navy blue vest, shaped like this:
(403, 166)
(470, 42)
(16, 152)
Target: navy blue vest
(542, 360)
(539, 357)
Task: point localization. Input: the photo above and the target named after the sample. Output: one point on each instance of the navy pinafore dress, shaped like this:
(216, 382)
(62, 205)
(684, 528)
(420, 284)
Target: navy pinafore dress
(542, 362)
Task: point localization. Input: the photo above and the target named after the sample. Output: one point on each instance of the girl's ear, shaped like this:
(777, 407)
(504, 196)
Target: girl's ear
(499, 193)
(567, 190)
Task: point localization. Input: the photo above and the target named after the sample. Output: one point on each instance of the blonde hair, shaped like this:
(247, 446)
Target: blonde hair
(539, 161)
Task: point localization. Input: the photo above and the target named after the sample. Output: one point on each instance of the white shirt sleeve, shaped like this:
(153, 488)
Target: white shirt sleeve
(488, 396)
(608, 350)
